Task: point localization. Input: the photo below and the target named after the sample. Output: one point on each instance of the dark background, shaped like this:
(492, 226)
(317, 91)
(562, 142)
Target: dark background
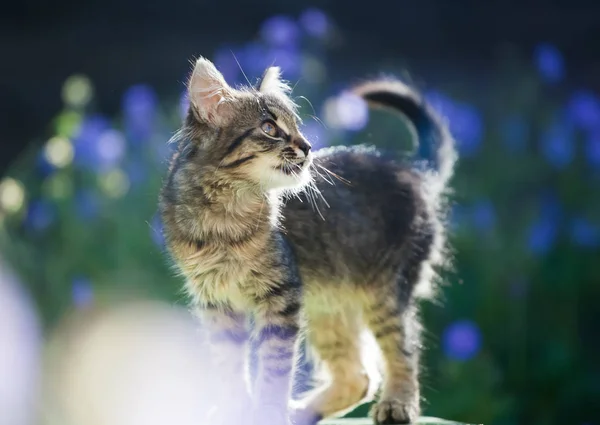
(119, 43)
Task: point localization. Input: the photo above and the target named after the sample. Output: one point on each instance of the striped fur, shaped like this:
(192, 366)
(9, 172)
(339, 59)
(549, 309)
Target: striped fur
(332, 266)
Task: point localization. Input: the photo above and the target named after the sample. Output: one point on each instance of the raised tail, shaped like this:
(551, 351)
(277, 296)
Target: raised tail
(435, 141)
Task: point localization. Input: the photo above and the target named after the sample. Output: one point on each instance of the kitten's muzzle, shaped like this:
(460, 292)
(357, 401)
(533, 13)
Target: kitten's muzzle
(303, 145)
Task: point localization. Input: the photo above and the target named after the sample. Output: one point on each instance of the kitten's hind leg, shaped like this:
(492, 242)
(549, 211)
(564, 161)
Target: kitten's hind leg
(335, 339)
(396, 334)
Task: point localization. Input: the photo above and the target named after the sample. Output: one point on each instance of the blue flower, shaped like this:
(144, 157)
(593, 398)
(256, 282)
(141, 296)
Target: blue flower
(549, 62)
(86, 140)
(461, 340)
(557, 144)
(40, 215)
(583, 110)
(288, 59)
(110, 148)
(139, 109)
(484, 215)
(87, 204)
(543, 233)
(515, 133)
(584, 233)
(225, 61)
(97, 146)
(315, 22)
(280, 30)
(82, 292)
(42, 165)
(465, 121)
(592, 148)
(252, 59)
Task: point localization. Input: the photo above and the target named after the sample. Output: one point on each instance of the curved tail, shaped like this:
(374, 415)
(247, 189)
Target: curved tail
(432, 132)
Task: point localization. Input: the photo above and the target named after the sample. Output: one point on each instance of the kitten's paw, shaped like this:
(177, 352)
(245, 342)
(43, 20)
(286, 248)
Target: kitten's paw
(395, 412)
(305, 416)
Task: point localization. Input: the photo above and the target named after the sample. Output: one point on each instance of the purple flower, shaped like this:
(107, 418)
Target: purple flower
(465, 121)
(280, 30)
(314, 22)
(484, 215)
(557, 144)
(40, 215)
(583, 110)
(82, 292)
(461, 340)
(549, 62)
(584, 233)
(139, 109)
(515, 133)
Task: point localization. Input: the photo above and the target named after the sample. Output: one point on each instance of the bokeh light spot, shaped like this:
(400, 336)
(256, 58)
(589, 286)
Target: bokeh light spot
(461, 340)
(280, 30)
(77, 91)
(59, 152)
(549, 62)
(315, 22)
(12, 195)
(114, 183)
(347, 111)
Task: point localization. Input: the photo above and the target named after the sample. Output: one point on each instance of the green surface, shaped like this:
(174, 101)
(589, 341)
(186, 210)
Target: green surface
(425, 420)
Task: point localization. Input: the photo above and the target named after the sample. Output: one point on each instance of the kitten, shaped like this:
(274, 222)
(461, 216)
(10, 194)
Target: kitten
(344, 262)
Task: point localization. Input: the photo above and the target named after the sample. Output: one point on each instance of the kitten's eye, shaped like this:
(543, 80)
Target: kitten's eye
(270, 128)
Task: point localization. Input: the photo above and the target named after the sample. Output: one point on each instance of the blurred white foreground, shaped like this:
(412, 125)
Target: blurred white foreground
(134, 364)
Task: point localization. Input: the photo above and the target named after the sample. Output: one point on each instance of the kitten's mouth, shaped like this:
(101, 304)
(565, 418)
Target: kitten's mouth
(289, 168)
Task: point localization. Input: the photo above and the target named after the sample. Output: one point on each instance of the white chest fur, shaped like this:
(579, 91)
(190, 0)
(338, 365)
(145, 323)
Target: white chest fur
(217, 274)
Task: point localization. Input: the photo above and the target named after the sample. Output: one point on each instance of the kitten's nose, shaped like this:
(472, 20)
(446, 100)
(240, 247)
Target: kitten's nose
(303, 145)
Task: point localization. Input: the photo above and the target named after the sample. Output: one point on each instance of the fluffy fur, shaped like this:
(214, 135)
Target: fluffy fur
(342, 256)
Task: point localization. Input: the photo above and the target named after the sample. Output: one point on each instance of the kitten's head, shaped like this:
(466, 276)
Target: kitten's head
(248, 135)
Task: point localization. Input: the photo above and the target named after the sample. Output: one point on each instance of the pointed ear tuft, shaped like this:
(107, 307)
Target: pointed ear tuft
(272, 83)
(207, 90)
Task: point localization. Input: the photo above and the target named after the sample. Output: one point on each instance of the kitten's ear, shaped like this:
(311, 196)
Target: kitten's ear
(272, 83)
(207, 90)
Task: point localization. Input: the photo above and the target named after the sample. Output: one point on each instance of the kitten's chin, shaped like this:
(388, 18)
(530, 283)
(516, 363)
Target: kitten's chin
(280, 179)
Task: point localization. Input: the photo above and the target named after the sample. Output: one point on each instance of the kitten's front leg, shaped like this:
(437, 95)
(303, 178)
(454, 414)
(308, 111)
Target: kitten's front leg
(227, 337)
(276, 337)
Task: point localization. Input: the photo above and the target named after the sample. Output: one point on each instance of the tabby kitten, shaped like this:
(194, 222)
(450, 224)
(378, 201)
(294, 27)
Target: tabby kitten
(332, 265)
